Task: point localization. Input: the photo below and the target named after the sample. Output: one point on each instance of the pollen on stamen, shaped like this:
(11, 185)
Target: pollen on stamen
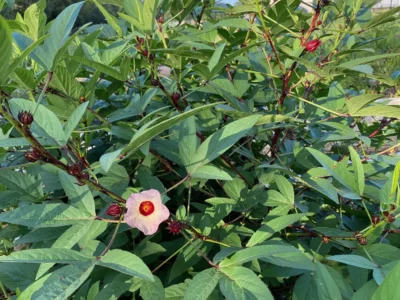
(146, 208)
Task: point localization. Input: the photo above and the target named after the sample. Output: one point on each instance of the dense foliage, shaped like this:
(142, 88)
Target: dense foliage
(187, 150)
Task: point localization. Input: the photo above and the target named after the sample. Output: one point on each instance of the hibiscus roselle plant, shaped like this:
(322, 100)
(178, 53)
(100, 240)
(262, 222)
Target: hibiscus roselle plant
(198, 150)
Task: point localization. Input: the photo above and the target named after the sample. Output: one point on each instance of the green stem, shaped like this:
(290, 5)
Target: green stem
(49, 77)
(4, 291)
(113, 237)
(320, 107)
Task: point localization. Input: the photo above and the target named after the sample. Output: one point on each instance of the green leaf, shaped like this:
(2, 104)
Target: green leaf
(66, 241)
(285, 187)
(59, 33)
(149, 15)
(382, 18)
(387, 111)
(234, 23)
(146, 135)
(152, 290)
(5, 49)
(107, 159)
(202, 285)
(216, 56)
(45, 215)
(390, 288)
(25, 184)
(176, 291)
(219, 142)
(187, 141)
(240, 283)
(326, 286)
(34, 256)
(354, 260)
(354, 104)
(127, 263)
(63, 282)
(366, 292)
(267, 230)
(110, 19)
(16, 276)
(74, 119)
(365, 60)
(358, 170)
(114, 289)
(45, 124)
(210, 172)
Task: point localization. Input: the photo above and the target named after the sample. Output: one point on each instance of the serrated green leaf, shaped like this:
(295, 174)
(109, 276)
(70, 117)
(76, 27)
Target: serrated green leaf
(127, 263)
(110, 19)
(358, 170)
(25, 184)
(74, 119)
(187, 141)
(354, 260)
(35, 256)
(239, 283)
(5, 49)
(210, 172)
(326, 286)
(152, 290)
(390, 288)
(202, 285)
(269, 229)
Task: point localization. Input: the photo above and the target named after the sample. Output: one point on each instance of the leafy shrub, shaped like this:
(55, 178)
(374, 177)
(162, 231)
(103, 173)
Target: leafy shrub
(250, 170)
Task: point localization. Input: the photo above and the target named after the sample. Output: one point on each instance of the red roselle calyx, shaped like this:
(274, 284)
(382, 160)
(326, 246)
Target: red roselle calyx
(145, 52)
(75, 169)
(375, 220)
(175, 97)
(313, 45)
(32, 156)
(155, 82)
(25, 117)
(175, 227)
(114, 210)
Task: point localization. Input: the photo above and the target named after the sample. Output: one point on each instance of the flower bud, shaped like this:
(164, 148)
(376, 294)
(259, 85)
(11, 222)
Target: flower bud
(145, 52)
(325, 239)
(25, 117)
(386, 213)
(140, 40)
(74, 169)
(83, 99)
(362, 241)
(175, 97)
(313, 45)
(32, 156)
(391, 218)
(160, 19)
(175, 227)
(114, 210)
(151, 57)
(392, 207)
(375, 220)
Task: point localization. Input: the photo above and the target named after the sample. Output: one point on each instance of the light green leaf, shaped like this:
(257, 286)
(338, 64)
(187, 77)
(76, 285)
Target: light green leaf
(63, 282)
(202, 285)
(366, 292)
(74, 119)
(390, 288)
(354, 260)
(152, 290)
(110, 19)
(79, 196)
(127, 263)
(187, 141)
(364, 60)
(358, 170)
(34, 256)
(326, 286)
(285, 187)
(100, 67)
(267, 230)
(234, 23)
(210, 172)
(146, 135)
(45, 215)
(382, 18)
(149, 15)
(354, 104)
(387, 111)
(240, 283)
(114, 289)
(5, 49)
(219, 142)
(107, 159)
(66, 241)
(257, 252)
(24, 184)
(45, 124)
(216, 56)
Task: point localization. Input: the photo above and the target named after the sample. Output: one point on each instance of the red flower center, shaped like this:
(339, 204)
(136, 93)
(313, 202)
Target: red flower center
(146, 208)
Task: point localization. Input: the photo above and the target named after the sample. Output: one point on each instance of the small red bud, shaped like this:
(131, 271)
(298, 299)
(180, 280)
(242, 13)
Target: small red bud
(375, 220)
(160, 19)
(114, 210)
(83, 99)
(392, 207)
(362, 241)
(175, 227)
(151, 57)
(325, 239)
(25, 117)
(386, 213)
(145, 52)
(391, 218)
(32, 156)
(75, 169)
(313, 45)
(175, 97)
